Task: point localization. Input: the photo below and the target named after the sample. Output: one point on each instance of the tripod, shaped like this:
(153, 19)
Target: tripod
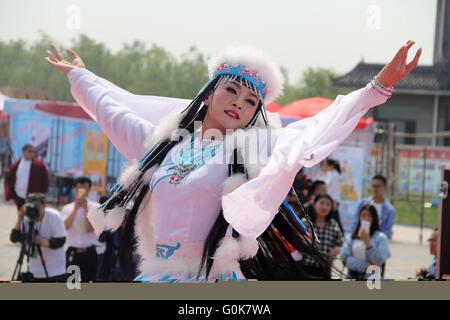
(28, 249)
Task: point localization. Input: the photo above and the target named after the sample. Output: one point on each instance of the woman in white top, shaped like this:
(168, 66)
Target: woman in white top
(204, 207)
(366, 246)
(330, 173)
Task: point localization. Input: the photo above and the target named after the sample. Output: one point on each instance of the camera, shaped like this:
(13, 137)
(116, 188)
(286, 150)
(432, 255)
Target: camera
(31, 205)
(31, 211)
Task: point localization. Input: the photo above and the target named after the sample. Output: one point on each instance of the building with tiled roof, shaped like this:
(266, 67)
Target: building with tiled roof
(421, 103)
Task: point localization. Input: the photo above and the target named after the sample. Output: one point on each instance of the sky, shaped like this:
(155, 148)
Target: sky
(296, 34)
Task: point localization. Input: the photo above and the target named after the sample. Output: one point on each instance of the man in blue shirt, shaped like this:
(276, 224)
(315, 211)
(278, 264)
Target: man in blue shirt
(385, 209)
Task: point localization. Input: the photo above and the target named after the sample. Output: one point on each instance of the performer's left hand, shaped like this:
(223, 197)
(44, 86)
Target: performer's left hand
(57, 61)
(398, 68)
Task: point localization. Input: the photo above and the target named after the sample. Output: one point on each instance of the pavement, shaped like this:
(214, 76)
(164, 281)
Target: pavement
(407, 254)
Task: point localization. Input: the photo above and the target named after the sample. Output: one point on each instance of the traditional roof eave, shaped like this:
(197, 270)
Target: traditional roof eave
(407, 91)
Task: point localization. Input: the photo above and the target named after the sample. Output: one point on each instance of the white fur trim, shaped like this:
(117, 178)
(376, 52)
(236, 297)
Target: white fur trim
(164, 130)
(273, 121)
(257, 62)
(248, 247)
(144, 231)
(98, 220)
(233, 182)
(114, 218)
(260, 121)
(129, 174)
(226, 257)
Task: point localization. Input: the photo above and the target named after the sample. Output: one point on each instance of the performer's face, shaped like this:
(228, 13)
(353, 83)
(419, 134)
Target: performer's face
(231, 106)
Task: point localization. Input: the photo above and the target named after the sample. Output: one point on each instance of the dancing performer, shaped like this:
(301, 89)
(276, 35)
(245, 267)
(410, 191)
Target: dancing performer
(202, 207)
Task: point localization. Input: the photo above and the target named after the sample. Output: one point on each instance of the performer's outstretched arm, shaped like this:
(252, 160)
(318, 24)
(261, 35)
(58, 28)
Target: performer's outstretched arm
(251, 207)
(126, 118)
(125, 130)
(150, 108)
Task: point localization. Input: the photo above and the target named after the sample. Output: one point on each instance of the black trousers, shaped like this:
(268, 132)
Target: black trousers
(19, 202)
(85, 259)
(29, 277)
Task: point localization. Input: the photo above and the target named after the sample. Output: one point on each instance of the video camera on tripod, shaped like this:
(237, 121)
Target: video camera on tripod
(28, 248)
(31, 210)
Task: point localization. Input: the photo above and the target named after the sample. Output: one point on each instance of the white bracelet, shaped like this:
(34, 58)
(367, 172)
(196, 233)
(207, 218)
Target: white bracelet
(380, 88)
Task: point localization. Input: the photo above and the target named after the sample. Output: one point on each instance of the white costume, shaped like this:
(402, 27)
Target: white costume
(176, 216)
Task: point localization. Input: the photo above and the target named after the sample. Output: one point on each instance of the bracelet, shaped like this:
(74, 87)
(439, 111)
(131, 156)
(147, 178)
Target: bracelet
(377, 82)
(380, 88)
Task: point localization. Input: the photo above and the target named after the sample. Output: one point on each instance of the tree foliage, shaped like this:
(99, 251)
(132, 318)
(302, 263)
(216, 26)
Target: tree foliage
(141, 70)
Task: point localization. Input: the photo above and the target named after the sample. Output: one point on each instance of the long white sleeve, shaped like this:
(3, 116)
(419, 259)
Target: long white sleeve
(127, 119)
(122, 126)
(251, 207)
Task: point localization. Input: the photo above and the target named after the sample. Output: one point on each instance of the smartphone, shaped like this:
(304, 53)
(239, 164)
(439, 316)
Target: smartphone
(365, 225)
(81, 193)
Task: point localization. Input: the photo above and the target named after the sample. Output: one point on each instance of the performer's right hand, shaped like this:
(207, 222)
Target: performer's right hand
(56, 60)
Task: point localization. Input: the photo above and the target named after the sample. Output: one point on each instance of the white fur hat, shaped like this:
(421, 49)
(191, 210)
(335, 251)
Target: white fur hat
(257, 66)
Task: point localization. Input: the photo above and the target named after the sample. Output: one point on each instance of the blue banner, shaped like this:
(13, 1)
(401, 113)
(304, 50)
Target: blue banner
(59, 141)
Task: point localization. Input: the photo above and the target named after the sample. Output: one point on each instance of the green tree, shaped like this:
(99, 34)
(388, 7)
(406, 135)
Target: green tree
(136, 68)
(315, 82)
(152, 71)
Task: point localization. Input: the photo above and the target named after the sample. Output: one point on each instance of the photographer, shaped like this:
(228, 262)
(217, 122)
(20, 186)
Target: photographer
(47, 232)
(81, 238)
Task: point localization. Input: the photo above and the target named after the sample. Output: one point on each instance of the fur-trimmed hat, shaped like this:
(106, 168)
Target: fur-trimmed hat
(252, 65)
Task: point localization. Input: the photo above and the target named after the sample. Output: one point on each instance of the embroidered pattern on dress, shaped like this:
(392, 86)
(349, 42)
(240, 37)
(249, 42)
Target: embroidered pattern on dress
(165, 251)
(185, 163)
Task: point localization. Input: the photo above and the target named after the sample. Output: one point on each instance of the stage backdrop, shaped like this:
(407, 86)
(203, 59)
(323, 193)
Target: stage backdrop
(351, 159)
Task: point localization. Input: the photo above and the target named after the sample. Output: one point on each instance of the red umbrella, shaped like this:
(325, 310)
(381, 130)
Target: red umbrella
(364, 122)
(305, 108)
(273, 107)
